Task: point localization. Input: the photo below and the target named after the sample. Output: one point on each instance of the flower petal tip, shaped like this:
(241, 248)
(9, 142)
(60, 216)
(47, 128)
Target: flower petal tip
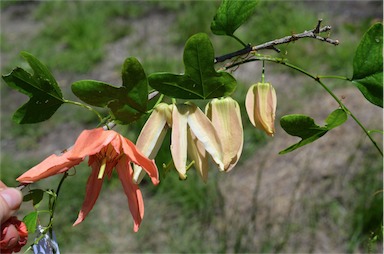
(182, 176)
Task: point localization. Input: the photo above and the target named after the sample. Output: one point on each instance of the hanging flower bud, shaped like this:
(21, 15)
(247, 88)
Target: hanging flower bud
(261, 106)
(226, 118)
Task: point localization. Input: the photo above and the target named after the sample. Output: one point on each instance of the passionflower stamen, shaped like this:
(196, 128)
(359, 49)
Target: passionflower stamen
(102, 168)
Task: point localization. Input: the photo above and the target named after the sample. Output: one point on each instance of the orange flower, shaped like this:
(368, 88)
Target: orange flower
(106, 150)
(9, 229)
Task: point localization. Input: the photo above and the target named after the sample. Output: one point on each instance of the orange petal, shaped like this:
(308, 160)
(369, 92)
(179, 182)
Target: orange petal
(92, 141)
(179, 138)
(138, 158)
(93, 188)
(50, 166)
(132, 191)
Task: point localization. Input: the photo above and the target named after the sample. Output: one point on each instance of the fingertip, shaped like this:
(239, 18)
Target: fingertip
(12, 197)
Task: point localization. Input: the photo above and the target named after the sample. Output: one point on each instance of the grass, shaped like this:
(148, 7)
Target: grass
(182, 216)
(78, 43)
(366, 218)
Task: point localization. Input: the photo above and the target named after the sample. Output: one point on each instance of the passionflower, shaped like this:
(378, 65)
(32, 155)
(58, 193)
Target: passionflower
(226, 118)
(14, 235)
(188, 122)
(261, 103)
(106, 150)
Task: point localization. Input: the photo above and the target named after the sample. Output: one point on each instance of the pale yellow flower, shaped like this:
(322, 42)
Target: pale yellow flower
(226, 118)
(261, 106)
(182, 118)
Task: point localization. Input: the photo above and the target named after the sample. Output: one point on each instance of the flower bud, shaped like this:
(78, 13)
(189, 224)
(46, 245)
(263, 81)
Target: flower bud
(14, 235)
(261, 106)
(226, 118)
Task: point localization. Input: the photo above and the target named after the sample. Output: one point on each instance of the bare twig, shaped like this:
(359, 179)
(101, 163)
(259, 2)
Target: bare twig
(295, 37)
(314, 33)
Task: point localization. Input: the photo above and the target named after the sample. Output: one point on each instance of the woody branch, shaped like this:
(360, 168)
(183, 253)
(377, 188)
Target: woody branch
(314, 33)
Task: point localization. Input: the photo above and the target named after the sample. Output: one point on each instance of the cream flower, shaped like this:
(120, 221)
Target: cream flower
(261, 106)
(226, 118)
(182, 118)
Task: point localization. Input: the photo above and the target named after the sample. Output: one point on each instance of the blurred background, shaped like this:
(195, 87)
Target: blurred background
(324, 197)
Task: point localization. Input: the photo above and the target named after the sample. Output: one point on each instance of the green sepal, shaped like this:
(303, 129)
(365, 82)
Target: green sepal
(231, 14)
(368, 65)
(305, 127)
(201, 80)
(126, 103)
(42, 88)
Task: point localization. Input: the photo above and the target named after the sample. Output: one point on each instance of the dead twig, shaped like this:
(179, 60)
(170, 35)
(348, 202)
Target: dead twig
(314, 33)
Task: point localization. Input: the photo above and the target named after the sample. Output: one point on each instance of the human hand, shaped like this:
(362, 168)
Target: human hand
(13, 232)
(10, 201)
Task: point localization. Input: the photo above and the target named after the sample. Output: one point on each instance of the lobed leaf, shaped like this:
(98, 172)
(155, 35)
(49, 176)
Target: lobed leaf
(136, 83)
(231, 14)
(95, 93)
(368, 65)
(304, 127)
(336, 118)
(42, 88)
(128, 102)
(201, 80)
(35, 195)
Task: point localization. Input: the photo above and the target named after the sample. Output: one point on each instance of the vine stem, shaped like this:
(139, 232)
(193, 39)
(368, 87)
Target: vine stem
(238, 39)
(85, 106)
(317, 79)
(55, 201)
(334, 77)
(341, 104)
(52, 211)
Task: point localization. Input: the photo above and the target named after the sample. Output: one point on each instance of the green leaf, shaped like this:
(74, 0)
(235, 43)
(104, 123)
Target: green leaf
(368, 65)
(42, 88)
(128, 102)
(35, 195)
(300, 126)
(201, 80)
(136, 83)
(304, 127)
(30, 221)
(336, 118)
(95, 93)
(231, 14)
